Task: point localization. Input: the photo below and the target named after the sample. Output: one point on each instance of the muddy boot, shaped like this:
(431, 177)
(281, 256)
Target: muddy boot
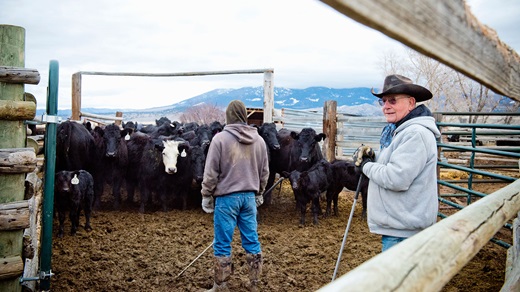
(223, 269)
(255, 270)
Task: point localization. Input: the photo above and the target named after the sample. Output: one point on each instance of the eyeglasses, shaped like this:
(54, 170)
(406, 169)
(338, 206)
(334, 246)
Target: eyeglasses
(391, 101)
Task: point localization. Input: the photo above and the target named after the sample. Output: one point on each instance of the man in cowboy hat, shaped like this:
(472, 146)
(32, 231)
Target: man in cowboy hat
(402, 198)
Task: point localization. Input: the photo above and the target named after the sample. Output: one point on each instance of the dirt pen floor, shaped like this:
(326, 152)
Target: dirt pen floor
(128, 251)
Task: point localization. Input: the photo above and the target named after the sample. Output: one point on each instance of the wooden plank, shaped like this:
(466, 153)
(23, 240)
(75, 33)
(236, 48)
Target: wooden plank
(512, 282)
(34, 196)
(428, 260)
(446, 31)
(9, 74)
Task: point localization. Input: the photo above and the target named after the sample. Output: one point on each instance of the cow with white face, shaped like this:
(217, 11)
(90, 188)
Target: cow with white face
(160, 166)
(170, 153)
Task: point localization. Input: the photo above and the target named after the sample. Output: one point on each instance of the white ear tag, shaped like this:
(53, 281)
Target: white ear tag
(75, 180)
(127, 137)
(183, 153)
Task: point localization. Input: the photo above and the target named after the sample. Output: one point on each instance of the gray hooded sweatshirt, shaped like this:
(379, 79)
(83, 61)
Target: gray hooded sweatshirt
(402, 193)
(236, 162)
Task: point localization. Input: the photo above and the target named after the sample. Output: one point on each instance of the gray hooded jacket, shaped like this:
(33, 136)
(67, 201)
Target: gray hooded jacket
(402, 193)
(236, 162)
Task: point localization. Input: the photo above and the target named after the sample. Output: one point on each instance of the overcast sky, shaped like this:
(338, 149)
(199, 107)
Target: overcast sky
(306, 42)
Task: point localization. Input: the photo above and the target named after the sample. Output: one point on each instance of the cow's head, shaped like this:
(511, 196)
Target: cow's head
(268, 132)
(171, 151)
(112, 137)
(198, 160)
(294, 178)
(62, 181)
(307, 141)
(203, 134)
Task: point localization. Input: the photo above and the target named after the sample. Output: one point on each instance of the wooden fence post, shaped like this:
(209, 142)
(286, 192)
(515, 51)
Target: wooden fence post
(12, 135)
(268, 96)
(76, 96)
(330, 129)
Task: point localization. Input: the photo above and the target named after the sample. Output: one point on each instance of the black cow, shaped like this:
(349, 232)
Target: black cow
(112, 162)
(345, 175)
(269, 133)
(167, 129)
(131, 127)
(164, 169)
(73, 192)
(203, 136)
(190, 126)
(75, 147)
(308, 186)
(216, 127)
(198, 161)
(298, 151)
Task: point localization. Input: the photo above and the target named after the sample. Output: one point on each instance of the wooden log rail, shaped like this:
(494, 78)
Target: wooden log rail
(17, 110)
(428, 260)
(11, 267)
(17, 160)
(10, 74)
(14, 215)
(461, 41)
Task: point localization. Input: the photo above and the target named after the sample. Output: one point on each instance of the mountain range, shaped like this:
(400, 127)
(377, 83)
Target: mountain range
(355, 101)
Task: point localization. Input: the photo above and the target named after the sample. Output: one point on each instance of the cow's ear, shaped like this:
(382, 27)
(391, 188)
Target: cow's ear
(320, 137)
(158, 144)
(294, 135)
(100, 131)
(185, 146)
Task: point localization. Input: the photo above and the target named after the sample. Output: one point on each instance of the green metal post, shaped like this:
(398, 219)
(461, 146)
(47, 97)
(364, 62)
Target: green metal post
(50, 167)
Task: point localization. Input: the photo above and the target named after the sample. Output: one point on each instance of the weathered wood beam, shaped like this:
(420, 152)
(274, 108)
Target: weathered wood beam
(428, 260)
(10, 74)
(11, 267)
(330, 129)
(512, 282)
(14, 216)
(446, 31)
(17, 160)
(11, 110)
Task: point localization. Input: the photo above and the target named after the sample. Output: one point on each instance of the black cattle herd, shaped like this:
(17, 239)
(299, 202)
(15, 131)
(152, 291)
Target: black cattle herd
(165, 162)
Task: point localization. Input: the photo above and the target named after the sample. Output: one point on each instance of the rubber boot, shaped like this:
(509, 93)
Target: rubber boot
(255, 270)
(223, 270)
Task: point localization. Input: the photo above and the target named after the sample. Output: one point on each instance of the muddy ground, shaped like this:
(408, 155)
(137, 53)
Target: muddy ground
(129, 251)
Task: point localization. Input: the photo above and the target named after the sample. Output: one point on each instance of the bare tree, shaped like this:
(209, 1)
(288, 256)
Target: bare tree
(203, 114)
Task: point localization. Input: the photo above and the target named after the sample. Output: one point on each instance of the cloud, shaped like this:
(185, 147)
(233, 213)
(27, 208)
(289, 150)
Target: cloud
(306, 42)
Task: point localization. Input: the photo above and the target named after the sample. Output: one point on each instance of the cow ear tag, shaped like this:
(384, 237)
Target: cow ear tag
(75, 180)
(127, 137)
(183, 153)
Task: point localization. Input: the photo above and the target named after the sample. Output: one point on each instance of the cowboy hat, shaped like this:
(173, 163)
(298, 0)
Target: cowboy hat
(395, 84)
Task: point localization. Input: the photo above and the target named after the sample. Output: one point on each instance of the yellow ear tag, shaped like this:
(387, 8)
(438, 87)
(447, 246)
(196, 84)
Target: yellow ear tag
(127, 137)
(183, 153)
(75, 180)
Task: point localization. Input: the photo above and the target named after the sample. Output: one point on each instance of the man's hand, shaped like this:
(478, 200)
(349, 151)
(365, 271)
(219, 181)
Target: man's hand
(363, 155)
(259, 199)
(208, 204)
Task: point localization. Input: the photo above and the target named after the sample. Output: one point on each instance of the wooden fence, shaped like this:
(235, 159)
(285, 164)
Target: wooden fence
(76, 89)
(428, 261)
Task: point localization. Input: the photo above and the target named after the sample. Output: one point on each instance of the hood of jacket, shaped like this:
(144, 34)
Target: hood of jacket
(244, 134)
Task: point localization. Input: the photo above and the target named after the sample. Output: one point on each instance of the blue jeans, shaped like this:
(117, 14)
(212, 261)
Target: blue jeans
(236, 209)
(389, 241)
